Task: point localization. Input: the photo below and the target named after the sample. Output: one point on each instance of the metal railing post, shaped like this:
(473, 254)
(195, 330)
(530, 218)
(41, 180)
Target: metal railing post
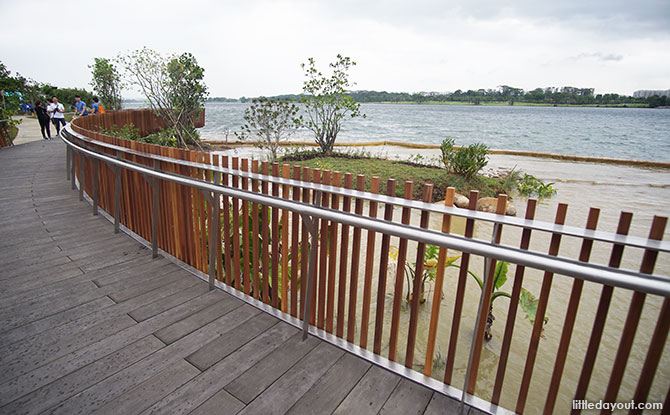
(68, 155)
(155, 192)
(117, 197)
(95, 186)
(480, 310)
(81, 177)
(213, 199)
(72, 170)
(311, 225)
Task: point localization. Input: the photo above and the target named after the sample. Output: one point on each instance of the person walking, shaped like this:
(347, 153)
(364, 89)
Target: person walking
(43, 118)
(56, 110)
(97, 107)
(80, 107)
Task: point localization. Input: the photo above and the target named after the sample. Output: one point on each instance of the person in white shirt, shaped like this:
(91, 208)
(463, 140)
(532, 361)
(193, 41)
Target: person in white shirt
(56, 111)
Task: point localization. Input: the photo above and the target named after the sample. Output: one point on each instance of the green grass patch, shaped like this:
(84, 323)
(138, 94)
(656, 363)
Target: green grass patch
(13, 132)
(400, 171)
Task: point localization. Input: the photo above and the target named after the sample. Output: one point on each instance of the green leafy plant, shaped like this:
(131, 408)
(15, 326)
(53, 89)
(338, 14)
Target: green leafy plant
(106, 83)
(173, 86)
(467, 161)
(326, 103)
(530, 185)
(527, 300)
(447, 153)
(269, 122)
(164, 137)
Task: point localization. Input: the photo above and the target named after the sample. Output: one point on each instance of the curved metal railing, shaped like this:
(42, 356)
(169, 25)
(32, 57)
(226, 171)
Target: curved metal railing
(317, 217)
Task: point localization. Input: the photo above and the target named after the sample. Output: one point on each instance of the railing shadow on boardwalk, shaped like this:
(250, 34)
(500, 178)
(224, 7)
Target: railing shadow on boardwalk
(291, 240)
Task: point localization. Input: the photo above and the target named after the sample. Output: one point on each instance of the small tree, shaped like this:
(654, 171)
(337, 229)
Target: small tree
(269, 122)
(187, 92)
(173, 86)
(326, 102)
(106, 83)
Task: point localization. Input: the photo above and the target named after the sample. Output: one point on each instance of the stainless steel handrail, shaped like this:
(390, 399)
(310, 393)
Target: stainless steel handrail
(601, 236)
(648, 283)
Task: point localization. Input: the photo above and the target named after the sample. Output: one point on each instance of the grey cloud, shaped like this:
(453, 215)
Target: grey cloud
(598, 56)
(613, 18)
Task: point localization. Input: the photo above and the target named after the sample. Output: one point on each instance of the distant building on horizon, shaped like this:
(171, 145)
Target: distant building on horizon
(646, 93)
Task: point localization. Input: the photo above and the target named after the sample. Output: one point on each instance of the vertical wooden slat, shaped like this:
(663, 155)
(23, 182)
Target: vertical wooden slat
(256, 234)
(369, 267)
(633, 317)
(332, 257)
(460, 294)
(570, 317)
(295, 246)
(539, 316)
(344, 253)
(514, 301)
(355, 261)
(265, 228)
(654, 354)
(245, 233)
(601, 314)
(275, 241)
(304, 244)
(383, 270)
(286, 173)
(323, 255)
(400, 277)
(236, 229)
(227, 243)
(437, 290)
(418, 274)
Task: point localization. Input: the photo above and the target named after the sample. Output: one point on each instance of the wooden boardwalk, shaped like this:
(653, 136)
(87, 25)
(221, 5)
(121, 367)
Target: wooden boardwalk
(89, 322)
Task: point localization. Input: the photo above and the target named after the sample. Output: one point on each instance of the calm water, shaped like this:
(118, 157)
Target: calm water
(630, 133)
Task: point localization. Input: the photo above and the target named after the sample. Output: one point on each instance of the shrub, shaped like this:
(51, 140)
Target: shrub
(467, 161)
(530, 185)
(447, 153)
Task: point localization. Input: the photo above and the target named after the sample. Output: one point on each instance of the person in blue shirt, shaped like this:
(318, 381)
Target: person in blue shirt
(95, 108)
(80, 106)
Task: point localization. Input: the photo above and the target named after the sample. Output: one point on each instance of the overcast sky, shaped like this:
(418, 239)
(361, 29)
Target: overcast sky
(251, 48)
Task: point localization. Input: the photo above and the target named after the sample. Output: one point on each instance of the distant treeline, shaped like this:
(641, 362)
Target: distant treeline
(504, 94)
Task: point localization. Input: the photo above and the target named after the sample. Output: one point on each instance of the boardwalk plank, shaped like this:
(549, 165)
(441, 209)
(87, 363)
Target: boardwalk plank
(168, 302)
(80, 358)
(222, 346)
(16, 361)
(370, 394)
(222, 402)
(282, 394)
(151, 390)
(332, 388)
(75, 382)
(121, 382)
(210, 382)
(181, 328)
(407, 398)
(255, 380)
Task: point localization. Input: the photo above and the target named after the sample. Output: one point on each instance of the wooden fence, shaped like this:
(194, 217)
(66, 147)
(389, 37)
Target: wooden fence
(5, 141)
(363, 289)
